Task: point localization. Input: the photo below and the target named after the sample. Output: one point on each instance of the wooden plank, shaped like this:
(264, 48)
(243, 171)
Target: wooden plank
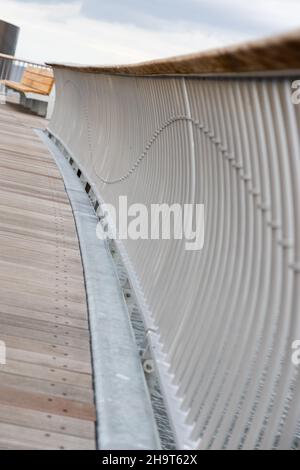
(33, 345)
(19, 86)
(29, 438)
(40, 72)
(74, 310)
(51, 374)
(44, 316)
(47, 422)
(50, 327)
(51, 403)
(38, 80)
(56, 339)
(49, 361)
(46, 386)
(33, 81)
(30, 86)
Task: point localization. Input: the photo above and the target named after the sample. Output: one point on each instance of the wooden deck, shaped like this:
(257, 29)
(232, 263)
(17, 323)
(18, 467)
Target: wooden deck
(46, 389)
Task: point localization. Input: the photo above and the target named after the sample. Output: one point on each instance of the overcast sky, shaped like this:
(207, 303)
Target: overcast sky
(123, 31)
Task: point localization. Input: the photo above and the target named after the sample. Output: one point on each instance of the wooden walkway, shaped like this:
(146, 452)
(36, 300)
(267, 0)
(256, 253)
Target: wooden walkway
(46, 389)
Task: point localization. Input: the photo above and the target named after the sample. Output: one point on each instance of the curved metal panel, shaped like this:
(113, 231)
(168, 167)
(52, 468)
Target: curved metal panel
(224, 318)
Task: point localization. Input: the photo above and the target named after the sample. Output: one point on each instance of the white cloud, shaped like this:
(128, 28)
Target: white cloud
(59, 32)
(270, 15)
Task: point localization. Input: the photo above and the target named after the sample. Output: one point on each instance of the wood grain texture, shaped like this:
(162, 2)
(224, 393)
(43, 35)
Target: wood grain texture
(280, 53)
(46, 389)
(34, 80)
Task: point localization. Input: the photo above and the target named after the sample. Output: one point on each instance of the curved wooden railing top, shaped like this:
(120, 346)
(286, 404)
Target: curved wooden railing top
(276, 54)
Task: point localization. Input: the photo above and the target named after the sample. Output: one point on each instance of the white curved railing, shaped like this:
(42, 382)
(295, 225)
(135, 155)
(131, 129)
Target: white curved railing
(222, 320)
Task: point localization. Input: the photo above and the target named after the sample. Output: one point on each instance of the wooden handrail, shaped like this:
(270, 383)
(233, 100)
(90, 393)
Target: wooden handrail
(275, 54)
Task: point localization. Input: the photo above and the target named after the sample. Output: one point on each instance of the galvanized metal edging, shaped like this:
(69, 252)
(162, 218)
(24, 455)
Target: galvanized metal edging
(125, 418)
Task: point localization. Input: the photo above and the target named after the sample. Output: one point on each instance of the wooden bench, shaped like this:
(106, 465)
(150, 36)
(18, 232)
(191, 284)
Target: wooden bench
(36, 89)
